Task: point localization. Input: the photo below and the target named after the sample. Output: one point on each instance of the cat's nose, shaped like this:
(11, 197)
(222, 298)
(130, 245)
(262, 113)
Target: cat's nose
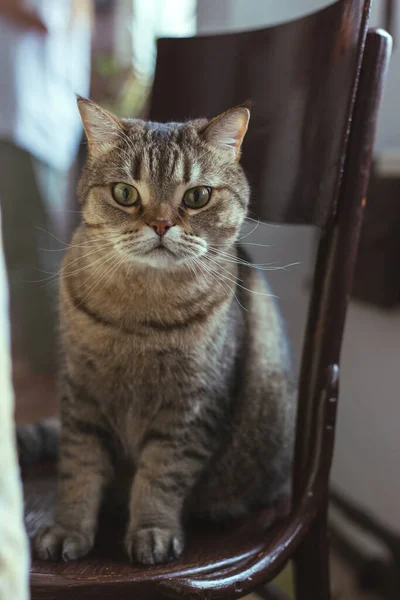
(161, 227)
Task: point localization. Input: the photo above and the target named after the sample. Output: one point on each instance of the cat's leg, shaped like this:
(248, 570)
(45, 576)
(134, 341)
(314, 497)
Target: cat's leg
(84, 470)
(169, 466)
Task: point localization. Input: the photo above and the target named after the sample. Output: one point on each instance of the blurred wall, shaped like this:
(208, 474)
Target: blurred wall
(388, 135)
(368, 442)
(238, 15)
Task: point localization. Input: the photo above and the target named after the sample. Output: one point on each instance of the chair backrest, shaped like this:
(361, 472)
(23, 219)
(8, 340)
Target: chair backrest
(333, 277)
(249, 562)
(301, 77)
(307, 156)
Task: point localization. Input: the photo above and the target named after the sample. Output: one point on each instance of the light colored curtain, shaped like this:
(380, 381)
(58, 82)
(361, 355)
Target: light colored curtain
(152, 19)
(124, 48)
(14, 558)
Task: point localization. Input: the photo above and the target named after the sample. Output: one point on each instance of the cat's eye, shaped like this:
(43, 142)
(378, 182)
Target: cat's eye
(197, 197)
(125, 194)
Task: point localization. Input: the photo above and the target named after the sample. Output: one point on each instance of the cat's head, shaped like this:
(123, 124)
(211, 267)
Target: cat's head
(164, 194)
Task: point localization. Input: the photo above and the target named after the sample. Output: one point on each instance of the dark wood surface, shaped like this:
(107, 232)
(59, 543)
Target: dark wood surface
(305, 175)
(338, 252)
(224, 561)
(210, 550)
(312, 577)
(333, 278)
(300, 77)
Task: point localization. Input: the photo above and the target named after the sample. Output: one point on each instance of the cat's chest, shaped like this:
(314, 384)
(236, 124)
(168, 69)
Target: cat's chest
(129, 416)
(134, 384)
(133, 387)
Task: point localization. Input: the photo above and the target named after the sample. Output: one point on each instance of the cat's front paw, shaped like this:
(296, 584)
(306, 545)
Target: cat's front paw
(56, 543)
(153, 545)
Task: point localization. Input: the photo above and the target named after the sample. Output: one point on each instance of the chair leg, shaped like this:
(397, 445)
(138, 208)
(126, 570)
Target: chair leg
(311, 564)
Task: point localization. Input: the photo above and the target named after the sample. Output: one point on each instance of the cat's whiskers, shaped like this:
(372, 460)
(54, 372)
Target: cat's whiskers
(207, 273)
(192, 269)
(240, 261)
(68, 275)
(217, 262)
(196, 245)
(233, 279)
(200, 270)
(129, 244)
(231, 258)
(64, 269)
(53, 236)
(216, 276)
(262, 222)
(93, 250)
(103, 261)
(250, 232)
(239, 243)
(193, 248)
(64, 272)
(254, 244)
(67, 245)
(115, 264)
(52, 276)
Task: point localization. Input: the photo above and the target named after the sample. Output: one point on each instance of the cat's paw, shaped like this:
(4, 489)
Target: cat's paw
(56, 543)
(153, 545)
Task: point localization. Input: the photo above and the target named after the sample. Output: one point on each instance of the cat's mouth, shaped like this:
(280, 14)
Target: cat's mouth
(160, 256)
(161, 249)
(164, 253)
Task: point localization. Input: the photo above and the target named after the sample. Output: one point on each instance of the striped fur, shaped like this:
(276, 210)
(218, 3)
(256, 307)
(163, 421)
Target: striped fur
(174, 378)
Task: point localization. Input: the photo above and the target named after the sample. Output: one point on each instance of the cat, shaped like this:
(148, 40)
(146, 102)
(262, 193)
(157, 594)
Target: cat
(175, 377)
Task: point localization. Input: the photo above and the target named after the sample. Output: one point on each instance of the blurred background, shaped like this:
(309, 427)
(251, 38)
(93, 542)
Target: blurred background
(53, 49)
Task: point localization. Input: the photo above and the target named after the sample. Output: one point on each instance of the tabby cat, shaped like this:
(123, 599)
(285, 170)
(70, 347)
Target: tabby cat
(175, 390)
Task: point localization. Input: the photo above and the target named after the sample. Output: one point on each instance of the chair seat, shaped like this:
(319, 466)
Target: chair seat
(213, 552)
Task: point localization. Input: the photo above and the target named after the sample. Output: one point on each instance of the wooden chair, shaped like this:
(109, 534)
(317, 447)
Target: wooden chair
(316, 85)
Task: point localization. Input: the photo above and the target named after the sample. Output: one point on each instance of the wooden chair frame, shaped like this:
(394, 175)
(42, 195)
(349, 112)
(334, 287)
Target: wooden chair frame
(303, 536)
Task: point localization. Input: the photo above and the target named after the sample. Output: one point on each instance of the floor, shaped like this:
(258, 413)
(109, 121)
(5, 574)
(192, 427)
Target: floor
(344, 583)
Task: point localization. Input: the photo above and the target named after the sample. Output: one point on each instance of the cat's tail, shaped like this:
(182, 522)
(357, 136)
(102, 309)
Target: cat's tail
(38, 441)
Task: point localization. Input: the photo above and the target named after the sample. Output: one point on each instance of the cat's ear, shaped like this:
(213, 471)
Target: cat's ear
(227, 131)
(101, 127)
